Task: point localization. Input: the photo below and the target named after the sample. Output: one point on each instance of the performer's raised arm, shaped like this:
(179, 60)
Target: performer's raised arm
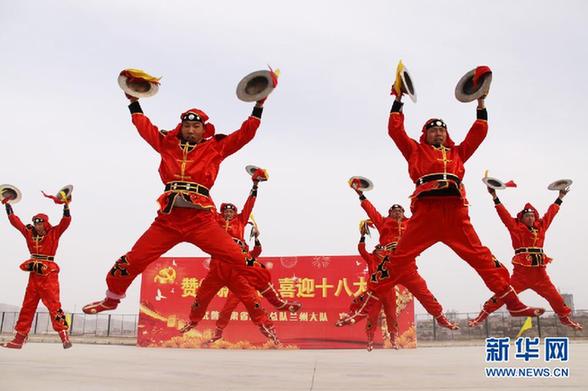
(249, 204)
(361, 248)
(396, 129)
(147, 130)
(256, 250)
(236, 140)
(553, 209)
(476, 134)
(504, 215)
(65, 221)
(372, 213)
(15, 220)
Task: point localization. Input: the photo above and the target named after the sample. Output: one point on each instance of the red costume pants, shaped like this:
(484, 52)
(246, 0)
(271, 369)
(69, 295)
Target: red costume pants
(260, 279)
(225, 314)
(446, 220)
(388, 302)
(46, 289)
(223, 274)
(196, 226)
(417, 285)
(534, 278)
(411, 279)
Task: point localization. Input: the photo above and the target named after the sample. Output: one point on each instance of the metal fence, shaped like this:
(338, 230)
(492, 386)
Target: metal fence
(499, 324)
(102, 325)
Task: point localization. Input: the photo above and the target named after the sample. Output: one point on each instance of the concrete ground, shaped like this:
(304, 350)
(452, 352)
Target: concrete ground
(46, 366)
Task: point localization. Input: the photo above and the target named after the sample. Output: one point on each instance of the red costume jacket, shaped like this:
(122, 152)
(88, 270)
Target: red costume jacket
(236, 226)
(528, 242)
(193, 164)
(369, 258)
(41, 247)
(425, 159)
(389, 229)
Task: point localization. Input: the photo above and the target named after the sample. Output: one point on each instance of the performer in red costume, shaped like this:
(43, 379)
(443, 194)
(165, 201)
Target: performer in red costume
(42, 240)
(260, 278)
(390, 229)
(527, 232)
(191, 155)
(387, 299)
(439, 205)
(231, 302)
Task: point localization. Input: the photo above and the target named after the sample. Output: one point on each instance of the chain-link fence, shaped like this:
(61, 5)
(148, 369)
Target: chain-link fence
(499, 324)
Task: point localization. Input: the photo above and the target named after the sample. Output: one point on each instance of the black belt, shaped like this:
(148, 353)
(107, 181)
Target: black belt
(239, 242)
(388, 247)
(42, 257)
(438, 177)
(530, 250)
(187, 186)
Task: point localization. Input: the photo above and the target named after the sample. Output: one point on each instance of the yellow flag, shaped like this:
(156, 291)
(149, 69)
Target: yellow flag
(68, 318)
(526, 326)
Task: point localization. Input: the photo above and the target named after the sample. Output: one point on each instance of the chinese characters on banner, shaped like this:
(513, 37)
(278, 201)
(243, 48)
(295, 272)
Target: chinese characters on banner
(325, 285)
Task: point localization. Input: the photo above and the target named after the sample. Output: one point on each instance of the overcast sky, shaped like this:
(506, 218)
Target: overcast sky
(64, 120)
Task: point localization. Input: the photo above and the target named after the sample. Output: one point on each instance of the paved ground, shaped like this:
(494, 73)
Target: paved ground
(46, 366)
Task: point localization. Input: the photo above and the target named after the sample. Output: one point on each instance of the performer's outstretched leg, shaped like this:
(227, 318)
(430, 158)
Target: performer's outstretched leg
(26, 315)
(519, 283)
(158, 239)
(219, 275)
(388, 299)
(224, 316)
(546, 289)
(260, 278)
(372, 324)
(49, 291)
(361, 306)
(465, 242)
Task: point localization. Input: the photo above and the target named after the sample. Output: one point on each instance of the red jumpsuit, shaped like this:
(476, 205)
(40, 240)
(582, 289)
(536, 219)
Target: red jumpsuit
(43, 273)
(391, 231)
(232, 300)
(387, 297)
(529, 260)
(188, 171)
(235, 227)
(440, 212)
(259, 277)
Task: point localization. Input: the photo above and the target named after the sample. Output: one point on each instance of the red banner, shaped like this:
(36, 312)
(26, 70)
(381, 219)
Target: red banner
(325, 285)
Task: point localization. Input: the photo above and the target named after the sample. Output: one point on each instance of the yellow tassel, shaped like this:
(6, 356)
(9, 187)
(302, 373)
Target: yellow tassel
(398, 82)
(64, 197)
(141, 74)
